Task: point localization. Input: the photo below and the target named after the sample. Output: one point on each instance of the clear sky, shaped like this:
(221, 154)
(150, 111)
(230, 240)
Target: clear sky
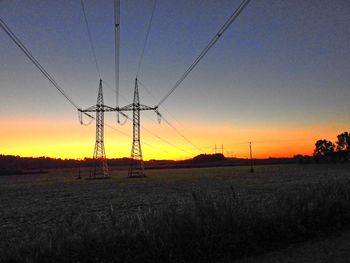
(279, 76)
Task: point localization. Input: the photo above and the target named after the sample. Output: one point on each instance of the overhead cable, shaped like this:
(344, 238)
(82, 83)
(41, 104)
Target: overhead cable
(166, 141)
(146, 38)
(90, 39)
(227, 24)
(127, 135)
(160, 138)
(116, 47)
(35, 62)
(150, 132)
(179, 133)
(169, 123)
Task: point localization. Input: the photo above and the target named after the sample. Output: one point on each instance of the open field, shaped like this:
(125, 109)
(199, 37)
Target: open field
(334, 248)
(41, 201)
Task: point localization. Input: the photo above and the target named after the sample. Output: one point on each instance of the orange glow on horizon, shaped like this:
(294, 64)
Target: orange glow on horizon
(67, 139)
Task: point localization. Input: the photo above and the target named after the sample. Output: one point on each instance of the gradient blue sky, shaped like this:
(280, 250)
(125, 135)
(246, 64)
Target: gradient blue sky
(282, 64)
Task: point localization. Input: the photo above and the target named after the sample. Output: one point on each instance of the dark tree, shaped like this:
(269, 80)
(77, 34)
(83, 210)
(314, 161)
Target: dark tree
(323, 148)
(343, 143)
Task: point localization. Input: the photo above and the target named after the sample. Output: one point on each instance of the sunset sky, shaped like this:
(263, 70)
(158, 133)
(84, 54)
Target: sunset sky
(279, 76)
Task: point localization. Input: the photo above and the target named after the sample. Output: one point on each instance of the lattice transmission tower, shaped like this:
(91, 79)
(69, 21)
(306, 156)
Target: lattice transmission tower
(136, 168)
(100, 169)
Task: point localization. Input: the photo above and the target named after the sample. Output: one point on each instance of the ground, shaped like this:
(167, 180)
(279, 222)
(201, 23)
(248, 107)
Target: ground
(334, 248)
(39, 201)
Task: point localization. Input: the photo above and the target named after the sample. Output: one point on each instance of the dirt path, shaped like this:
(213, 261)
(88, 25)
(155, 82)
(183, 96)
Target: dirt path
(335, 249)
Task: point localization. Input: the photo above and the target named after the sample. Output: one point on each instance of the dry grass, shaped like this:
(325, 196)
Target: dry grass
(66, 213)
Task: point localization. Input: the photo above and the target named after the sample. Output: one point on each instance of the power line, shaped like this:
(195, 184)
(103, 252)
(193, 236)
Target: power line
(90, 39)
(227, 24)
(127, 135)
(291, 140)
(262, 142)
(57, 86)
(154, 98)
(113, 128)
(121, 96)
(183, 136)
(116, 47)
(160, 138)
(150, 132)
(146, 38)
(162, 106)
(167, 142)
(35, 62)
(172, 126)
(114, 91)
(121, 132)
(147, 90)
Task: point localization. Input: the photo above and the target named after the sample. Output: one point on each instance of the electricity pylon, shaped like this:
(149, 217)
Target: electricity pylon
(101, 168)
(136, 168)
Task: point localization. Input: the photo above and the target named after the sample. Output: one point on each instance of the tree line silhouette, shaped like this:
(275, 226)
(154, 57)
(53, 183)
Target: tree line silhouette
(327, 151)
(12, 165)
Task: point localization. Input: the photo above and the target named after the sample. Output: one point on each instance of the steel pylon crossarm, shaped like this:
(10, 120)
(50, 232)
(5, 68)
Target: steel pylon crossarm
(137, 166)
(99, 156)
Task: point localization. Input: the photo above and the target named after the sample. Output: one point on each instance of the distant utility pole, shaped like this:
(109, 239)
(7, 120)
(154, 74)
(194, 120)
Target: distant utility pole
(251, 158)
(222, 149)
(79, 164)
(215, 148)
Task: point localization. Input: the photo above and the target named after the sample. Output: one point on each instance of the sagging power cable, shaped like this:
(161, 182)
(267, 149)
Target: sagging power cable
(116, 49)
(90, 39)
(181, 135)
(169, 123)
(16, 40)
(160, 138)
(227, 24)
(146, 38)
(127, 118)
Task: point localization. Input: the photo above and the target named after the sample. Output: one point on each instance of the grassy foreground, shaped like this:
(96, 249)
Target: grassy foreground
(205, 229)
